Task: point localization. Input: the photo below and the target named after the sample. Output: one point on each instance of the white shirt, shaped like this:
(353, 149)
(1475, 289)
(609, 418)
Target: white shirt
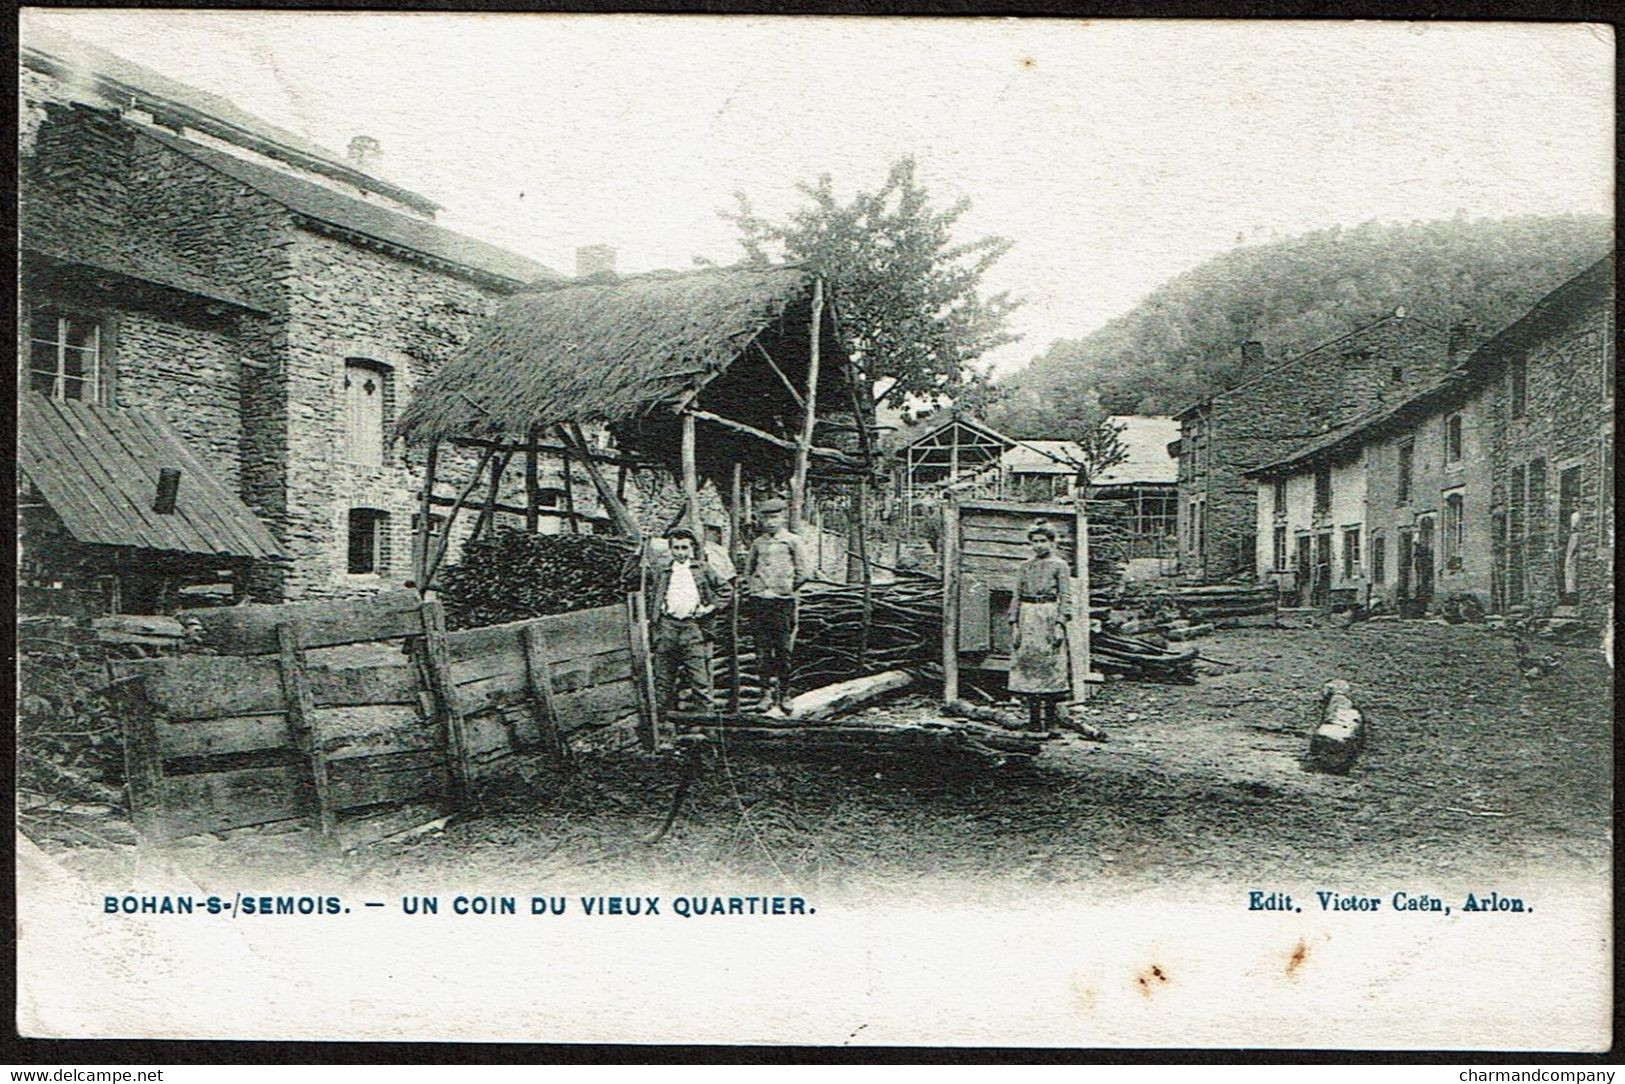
(682, 593)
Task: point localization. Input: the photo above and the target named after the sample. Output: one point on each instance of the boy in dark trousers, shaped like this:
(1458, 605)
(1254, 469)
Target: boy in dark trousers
(775, 569)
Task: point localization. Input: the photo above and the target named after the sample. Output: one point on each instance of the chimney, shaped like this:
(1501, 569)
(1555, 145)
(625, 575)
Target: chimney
(595, 261)
(365, 152)
(1252, 354)
(1463, 340)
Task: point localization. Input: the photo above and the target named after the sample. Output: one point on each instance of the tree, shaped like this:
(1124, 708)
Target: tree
(907, 294)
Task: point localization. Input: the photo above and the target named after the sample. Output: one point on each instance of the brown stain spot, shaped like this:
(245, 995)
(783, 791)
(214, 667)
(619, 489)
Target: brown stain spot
(1149, 979)
(1028, 63)
(1299, 955)
(1085, 997)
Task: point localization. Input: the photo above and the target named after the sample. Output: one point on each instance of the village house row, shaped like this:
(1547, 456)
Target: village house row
(1405, 466)
(205, 291)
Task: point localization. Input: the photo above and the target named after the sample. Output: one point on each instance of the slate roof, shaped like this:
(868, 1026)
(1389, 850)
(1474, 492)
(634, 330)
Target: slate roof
(322, 206)
(97, 467)
(57, 53)
(1594, 285)
(61, 234)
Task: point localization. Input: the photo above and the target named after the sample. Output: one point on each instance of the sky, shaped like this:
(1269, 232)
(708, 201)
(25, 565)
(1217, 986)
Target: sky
(1115, 154)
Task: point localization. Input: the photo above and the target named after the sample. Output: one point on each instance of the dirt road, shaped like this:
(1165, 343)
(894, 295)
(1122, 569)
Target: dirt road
(1469, 767)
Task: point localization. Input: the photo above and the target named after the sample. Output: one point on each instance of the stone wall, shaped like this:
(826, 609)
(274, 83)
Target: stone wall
(1568, 425)
(1270, 414)
(344, 301)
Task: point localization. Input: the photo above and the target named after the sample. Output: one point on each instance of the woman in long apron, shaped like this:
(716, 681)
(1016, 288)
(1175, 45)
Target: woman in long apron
(1040, 609)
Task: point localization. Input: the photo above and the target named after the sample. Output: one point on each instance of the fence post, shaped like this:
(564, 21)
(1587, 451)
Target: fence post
(143, 767)
(300, 708)
(539, 680)
(949, 549)
(437, 664)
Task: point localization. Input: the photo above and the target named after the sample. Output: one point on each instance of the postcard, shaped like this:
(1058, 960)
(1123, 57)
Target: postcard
(821, 530)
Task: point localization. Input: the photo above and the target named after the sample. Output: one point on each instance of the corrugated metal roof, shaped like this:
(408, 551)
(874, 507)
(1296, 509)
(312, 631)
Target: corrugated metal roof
(97, 467)
(325, 205)
(1145, 438)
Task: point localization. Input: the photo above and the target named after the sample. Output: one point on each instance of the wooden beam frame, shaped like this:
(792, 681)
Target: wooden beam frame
(778, 372)
(571, 434)
(433, 565)
(829, 454)
(425, 516)
(798, 480)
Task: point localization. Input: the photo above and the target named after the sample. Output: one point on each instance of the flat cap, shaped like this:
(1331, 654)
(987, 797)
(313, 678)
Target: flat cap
(774, 505)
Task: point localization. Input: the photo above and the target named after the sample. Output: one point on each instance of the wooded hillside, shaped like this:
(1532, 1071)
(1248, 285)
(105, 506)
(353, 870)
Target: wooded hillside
(1181, 342)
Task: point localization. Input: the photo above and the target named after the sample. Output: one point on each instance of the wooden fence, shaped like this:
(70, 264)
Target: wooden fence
(359, 717)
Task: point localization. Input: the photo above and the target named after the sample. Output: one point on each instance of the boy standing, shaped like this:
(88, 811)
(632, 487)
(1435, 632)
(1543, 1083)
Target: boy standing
(684, 595)
(775, 569)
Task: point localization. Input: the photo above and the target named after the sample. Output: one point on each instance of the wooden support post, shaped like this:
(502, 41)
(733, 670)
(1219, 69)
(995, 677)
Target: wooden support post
(950, 600)
(570, 494)
(539, 682)
(572, 437)
(798, 482)
(488, 514)
(451, 518)
(637, 642)
(620, 482)
(1078, 635)
(533, 488)
(437, 664)
(863, 567)
(143, 765)
(691, 484)
(300, 707)
(735, 496)
(420, 570)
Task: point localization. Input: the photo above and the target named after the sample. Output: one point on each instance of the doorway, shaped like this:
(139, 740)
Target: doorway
(1423, 550)
(1568, 535)
(1404, 569)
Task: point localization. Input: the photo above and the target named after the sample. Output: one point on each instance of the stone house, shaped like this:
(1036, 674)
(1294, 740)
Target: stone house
(1492, 481)
(271, 302)
(1276, 410)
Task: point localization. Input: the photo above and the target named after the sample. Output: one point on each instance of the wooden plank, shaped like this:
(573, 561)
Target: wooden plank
(995, 570)
(609, 666)
(207, 686)
(488, 732)
(1004, 551)
(642, 676)
(348, 686)
(437, 663)
(206, 513)
(373, 729)
(975, 616)
(1078, 633)
(103, 460)
(214, 801)
(1039, 510)
(251, 630)
(225, 736)
(358, 831)
(143, 766)
(399, 777)
(539, 680)
(45, 456)
(301, 718)
(583, 632)
(950, 600)
(597, 706)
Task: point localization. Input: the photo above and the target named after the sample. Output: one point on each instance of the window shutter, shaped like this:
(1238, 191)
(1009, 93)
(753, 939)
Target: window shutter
(364, 414)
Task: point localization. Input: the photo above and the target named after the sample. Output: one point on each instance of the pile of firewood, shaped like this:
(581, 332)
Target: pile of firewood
(512, 575)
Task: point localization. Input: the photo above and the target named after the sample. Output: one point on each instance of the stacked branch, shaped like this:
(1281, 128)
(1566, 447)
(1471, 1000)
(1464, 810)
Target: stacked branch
(862, 737)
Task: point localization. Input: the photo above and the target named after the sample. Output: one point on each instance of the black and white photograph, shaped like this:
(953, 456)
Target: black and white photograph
(815, 530)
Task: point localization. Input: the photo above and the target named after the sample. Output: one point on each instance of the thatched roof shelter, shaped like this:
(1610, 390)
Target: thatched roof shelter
(719, 373)
(633, 352)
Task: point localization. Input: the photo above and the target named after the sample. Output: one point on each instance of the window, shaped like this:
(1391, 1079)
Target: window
(1278, 561)
(1452, 439)
(1455, 537)
(1515, 540)
(64, 356)
(1351, 553)
(1518, 386)
(1402, 488)
(367, 395)
(1323, 489)
(1379, 557)
(1396, 374)
(369, 542)
(1279, 495)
